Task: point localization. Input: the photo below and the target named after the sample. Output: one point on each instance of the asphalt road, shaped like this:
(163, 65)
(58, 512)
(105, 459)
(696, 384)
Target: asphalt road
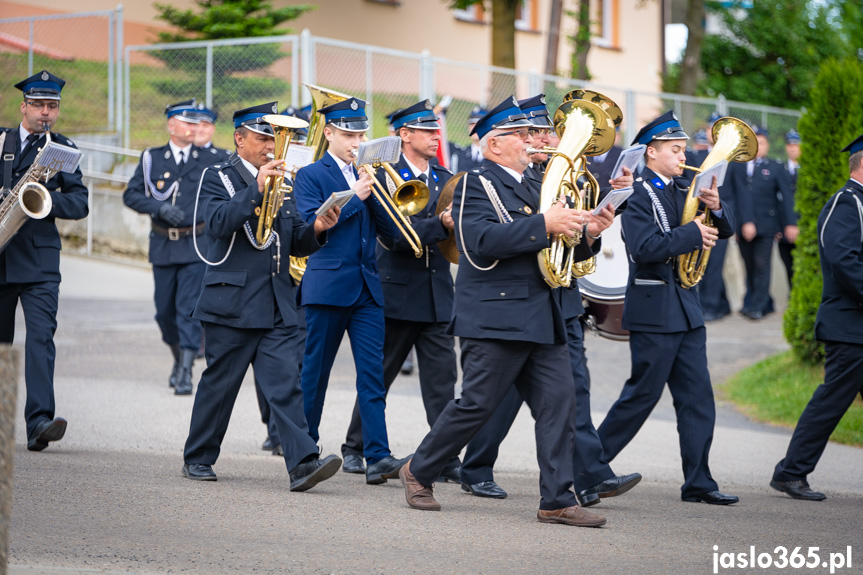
(109, 498)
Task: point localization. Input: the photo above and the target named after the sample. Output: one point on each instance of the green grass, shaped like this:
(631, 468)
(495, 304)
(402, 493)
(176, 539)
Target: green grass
(777, 390)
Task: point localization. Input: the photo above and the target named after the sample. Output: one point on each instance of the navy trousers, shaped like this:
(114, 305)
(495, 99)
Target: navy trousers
(680, 359)
(364, 323)
(177, 290)
(711, 288)
(756, 259)
(39, 303)
(437, 370)
(230, 351)
(491, 369)
(843, 380)
(588, 464)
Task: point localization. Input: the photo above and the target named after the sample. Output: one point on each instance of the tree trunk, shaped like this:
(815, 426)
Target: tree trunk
(690, 68)
(553, 37)
(502, 48)
(582, 42)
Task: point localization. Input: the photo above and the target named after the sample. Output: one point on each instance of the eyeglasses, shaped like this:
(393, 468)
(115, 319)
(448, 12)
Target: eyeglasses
(522, 134)
(39, 105)
(539, 132)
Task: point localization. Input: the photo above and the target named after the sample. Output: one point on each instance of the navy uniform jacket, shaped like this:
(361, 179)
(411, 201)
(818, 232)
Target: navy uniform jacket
(840, 245)
(790, 192)
(33, 255)
(417, 289)
(243, 290)
(655, 301)
(461, 160)
(165, 171)
(336, 274)
(216, 155)
(759, 198)
(511, 301)
(602, 170)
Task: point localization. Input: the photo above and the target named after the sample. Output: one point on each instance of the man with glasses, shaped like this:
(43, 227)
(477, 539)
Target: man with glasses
(30, 263)
(510, 326)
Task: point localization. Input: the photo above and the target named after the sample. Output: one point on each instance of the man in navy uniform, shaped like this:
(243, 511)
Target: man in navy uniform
(839, 247)
(667, 338)
(792, 166)
(204, 134)
(30, 263)
(418, 292)
(247, 305)
(164, 187)
(341, 288)
(592, 475)
(759, 186)
(464, 159)
(509, 324)
(601, 165)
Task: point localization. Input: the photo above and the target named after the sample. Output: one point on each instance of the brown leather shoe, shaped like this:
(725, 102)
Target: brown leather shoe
(417, 495)
(574, 515)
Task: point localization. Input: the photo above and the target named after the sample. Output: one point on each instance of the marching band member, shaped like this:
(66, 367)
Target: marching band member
(667, 338)
(247, 306)
(163, 187)
(509, 325)
(341, 288)
(418, 292)
(204, 134)
(464, 159)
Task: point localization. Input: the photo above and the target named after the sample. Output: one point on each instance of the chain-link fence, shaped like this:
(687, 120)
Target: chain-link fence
(81, 48)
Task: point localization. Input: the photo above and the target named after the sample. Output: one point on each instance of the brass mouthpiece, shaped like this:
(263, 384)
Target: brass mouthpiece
(544, 150)
(685, 167)
(271, 156)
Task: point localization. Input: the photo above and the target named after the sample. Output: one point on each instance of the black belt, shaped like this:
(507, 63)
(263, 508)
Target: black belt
(174, 234)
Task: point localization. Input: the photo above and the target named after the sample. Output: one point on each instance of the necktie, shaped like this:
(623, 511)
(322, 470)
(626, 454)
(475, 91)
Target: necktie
(182, 159)
(350, 176)
(31, 141)
(423, 178)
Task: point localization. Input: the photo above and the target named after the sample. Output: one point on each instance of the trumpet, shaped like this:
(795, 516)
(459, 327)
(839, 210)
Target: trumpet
(408, 199)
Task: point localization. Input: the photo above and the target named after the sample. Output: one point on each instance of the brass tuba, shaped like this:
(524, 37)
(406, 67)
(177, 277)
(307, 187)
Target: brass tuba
(734, 141)
(275, 188)
(584, 129)
(28, 199)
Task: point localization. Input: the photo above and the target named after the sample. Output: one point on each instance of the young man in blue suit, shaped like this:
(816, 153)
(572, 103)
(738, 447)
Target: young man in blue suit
(418, 292)
(248, 308)
(839, 324)
(667, 338)
(341, 288)
(163, 187)
(509, 324)
(30, 263)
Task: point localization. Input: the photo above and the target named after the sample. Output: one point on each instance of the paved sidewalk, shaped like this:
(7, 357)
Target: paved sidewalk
(109, 498)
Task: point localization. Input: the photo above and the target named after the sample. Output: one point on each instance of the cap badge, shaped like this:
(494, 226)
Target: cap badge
(45, 76)
(275, 109)
(674, 116)
(542, 99)
(514, 102)
(354, 105)
(428, 105)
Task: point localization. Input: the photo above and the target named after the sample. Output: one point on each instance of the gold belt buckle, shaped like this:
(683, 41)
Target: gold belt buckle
(173, 234)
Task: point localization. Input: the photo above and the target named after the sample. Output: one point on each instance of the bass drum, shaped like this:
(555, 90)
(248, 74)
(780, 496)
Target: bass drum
(604, 290)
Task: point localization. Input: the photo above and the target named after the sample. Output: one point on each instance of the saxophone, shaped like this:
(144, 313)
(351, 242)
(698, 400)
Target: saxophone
(28, 199)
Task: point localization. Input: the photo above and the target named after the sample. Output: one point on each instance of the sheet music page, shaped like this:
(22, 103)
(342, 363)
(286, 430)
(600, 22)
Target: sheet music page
(298, 156)
(705, 178)
(380, 150)
(615, 198)
(629, 158)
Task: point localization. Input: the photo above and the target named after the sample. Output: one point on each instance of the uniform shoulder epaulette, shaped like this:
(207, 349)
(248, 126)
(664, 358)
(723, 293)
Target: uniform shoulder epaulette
(218, 166)
(6, 129)
(442, 169)
(639, 179)
(61, 139)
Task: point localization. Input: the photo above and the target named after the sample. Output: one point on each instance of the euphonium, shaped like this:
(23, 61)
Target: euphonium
(275, 188)
(584, 129)
(735, 142)
(28, 199)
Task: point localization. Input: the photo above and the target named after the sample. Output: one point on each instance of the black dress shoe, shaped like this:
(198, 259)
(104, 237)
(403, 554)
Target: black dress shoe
(48, 430)
(617, 485)
(713, 498)
(277, 450)
(484, 489)
(386, 468)
(309, 473)
(798, 490)
(268, 444)
(199, 472)
(353, 464)
(451, 474)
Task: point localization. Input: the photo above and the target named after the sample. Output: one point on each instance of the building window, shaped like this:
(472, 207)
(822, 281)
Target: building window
(473, 13)
(527, 16)
(607, 33)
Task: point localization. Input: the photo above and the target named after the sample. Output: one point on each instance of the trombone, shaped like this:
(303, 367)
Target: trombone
(408, 199)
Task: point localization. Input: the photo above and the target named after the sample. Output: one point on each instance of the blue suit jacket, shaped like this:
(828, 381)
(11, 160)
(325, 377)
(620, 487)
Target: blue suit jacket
(165, 171)
(417, 289)
(335, 275)
(33, 255)
(759, 198)
(840, 245)
(511, 301)
(655, 301)
(243, 291)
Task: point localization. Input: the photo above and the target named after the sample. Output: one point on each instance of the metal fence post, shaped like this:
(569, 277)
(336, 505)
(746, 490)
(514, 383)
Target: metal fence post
(8, 405)
(534, 82)
(209, 76)
(118, 43)
(295, 73)
(426, 90)
(721, 105)
(369, 104)
(91, 216)
(111, 109)
(128, 98)
(307, 54)
(30, 51)
(631, 125)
